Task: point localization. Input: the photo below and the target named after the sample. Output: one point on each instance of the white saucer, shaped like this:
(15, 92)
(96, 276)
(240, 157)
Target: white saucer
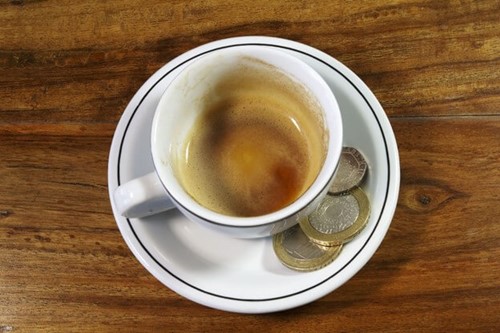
(244, 275)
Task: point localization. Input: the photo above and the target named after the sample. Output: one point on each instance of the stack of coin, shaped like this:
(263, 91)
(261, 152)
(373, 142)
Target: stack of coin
(344, 212)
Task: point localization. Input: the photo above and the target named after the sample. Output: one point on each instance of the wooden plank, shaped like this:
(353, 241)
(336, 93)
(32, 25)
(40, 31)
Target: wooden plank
(68, 70)
(426, 58)
(64, 262)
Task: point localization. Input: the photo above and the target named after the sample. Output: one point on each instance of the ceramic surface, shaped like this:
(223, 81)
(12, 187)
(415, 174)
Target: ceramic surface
(244, 275)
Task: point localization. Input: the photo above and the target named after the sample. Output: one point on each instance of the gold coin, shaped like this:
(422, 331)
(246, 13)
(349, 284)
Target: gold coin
(351, 171)
(296, 251)
(338, 219)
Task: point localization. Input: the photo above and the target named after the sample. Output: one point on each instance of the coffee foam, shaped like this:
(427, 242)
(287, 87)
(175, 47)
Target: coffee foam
(258, 144)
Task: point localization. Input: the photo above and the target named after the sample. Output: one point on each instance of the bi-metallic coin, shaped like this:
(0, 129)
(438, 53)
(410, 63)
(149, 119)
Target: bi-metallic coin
(338, 218)
(296, 251)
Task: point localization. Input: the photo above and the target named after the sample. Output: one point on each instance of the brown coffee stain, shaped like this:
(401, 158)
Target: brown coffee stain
(257, 145)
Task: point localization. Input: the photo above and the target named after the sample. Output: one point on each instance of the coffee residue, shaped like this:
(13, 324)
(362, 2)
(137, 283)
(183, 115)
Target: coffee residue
(256, 147)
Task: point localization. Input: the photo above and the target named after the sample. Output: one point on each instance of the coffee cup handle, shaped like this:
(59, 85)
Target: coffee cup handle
(141, 197)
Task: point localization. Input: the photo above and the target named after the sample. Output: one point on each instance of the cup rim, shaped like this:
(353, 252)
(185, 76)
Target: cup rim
(333, 122)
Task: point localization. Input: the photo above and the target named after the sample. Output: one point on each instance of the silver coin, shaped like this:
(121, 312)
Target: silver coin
(351, 171)
(338, 219)
(299, 246)
(296, 251)
(335, 214)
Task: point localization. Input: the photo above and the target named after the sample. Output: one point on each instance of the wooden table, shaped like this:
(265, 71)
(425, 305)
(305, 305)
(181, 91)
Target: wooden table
(68, 70)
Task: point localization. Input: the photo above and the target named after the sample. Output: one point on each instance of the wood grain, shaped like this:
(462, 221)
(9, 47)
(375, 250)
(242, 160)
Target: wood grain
(68, 70)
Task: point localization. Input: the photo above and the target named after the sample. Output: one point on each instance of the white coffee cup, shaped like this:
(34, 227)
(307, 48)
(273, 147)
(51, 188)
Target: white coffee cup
(174, 117)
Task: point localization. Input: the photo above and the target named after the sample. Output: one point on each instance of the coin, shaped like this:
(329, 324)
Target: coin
(296, 251)
(338, 218)
(351, 171)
